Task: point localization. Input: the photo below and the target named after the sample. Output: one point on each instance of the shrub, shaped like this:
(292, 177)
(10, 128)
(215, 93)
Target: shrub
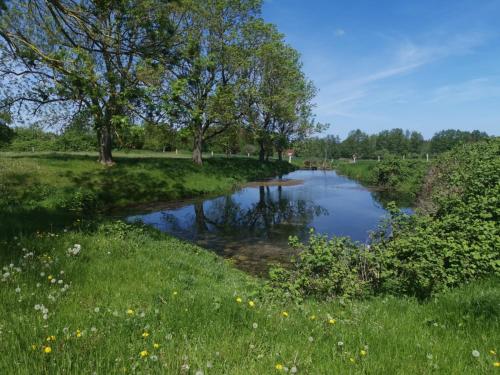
(81, 201)
(324, 269)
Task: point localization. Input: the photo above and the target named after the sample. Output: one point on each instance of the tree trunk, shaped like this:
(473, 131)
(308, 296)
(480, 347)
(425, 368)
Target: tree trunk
(280, 154)
(197, 147)
(262, 151)
(105, 145)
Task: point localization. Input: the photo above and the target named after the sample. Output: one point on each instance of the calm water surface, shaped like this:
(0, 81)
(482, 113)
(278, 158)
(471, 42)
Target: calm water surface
(252, 225)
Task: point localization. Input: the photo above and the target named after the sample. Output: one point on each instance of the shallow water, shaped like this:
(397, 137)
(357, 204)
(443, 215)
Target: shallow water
(252, 225)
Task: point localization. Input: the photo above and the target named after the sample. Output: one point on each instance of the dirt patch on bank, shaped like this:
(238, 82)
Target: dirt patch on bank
(274, 182)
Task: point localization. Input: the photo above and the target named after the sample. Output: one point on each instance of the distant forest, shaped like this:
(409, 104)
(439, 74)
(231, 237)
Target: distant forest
(410, 144)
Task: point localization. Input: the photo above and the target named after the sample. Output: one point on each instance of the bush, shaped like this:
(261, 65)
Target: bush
(324, 269)
(81, 201)
(458, 239)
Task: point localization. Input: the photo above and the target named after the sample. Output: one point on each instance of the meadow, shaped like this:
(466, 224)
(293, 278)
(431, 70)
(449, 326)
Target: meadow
(84, 293)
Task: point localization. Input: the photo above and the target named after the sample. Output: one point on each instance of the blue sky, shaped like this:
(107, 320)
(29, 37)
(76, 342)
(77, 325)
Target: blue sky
(419, 65)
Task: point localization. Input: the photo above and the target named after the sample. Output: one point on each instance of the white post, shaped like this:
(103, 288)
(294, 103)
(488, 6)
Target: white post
(404, 157)
(427, 157)
(290, 159)
(32, 149)
(378, 157)
(176, 151)
(212, 153)
(248, 154)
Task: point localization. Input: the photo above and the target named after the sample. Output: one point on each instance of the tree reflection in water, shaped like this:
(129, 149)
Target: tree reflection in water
(253, 235)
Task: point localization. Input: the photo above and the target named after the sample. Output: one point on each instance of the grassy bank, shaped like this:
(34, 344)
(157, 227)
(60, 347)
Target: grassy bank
(52, 188)
(138, 301)
(396, 177)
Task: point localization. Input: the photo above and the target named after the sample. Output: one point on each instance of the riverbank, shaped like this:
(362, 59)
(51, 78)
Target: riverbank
(395, 178)
(114, 298)
(48, 189)
(108, 297)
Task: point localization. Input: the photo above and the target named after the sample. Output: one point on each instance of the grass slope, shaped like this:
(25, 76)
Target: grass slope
(131, 288)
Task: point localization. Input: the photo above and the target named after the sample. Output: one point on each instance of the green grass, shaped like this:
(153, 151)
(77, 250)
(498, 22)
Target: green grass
(361, 171)
(185, 298)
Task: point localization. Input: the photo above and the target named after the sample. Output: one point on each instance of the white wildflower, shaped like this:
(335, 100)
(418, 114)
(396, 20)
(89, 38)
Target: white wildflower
(475, 354)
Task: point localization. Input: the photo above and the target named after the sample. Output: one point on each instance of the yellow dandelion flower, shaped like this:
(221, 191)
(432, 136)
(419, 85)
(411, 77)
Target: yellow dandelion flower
(332, 321)
(363, 353)
(50, 277)
(51, 338)
(78, 333)
(239, 300)
(279, 367)
(33, 347)
(156, 346)
(251, 303)
(47, 350)
(312, 317)
(145, 334)
(130, 312)
(174, 293)
(284, 314)
(496, 364)
(492, 352)
(352, 360)
(144, 353)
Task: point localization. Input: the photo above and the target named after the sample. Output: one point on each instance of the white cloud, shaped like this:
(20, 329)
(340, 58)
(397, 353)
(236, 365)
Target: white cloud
(467, 91)
(340, 97)
(339, 32)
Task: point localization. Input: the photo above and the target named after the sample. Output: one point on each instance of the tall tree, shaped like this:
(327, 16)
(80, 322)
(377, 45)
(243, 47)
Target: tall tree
(206, 84)
(82, 55)
(278, 94)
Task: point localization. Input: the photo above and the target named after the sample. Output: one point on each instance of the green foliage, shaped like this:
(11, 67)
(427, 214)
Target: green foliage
(453, 240)
(6, 135)
(80, 201)
(446, 140)
(324, 269)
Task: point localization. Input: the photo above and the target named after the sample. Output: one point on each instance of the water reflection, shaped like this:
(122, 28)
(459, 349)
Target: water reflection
(252, 226)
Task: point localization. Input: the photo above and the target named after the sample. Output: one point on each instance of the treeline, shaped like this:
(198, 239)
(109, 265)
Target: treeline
(410, 144)
(151, 74)
(150, 137)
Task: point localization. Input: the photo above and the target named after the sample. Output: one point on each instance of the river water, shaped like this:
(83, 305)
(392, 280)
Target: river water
(252, 225)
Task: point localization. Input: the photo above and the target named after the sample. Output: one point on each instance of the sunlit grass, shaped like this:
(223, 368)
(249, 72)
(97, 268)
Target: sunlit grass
(141, 301)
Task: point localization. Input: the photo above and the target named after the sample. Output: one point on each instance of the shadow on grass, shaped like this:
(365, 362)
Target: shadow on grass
(25, 222)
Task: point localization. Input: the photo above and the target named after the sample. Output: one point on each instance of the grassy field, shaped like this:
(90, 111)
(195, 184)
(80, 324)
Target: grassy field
(104, 297)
